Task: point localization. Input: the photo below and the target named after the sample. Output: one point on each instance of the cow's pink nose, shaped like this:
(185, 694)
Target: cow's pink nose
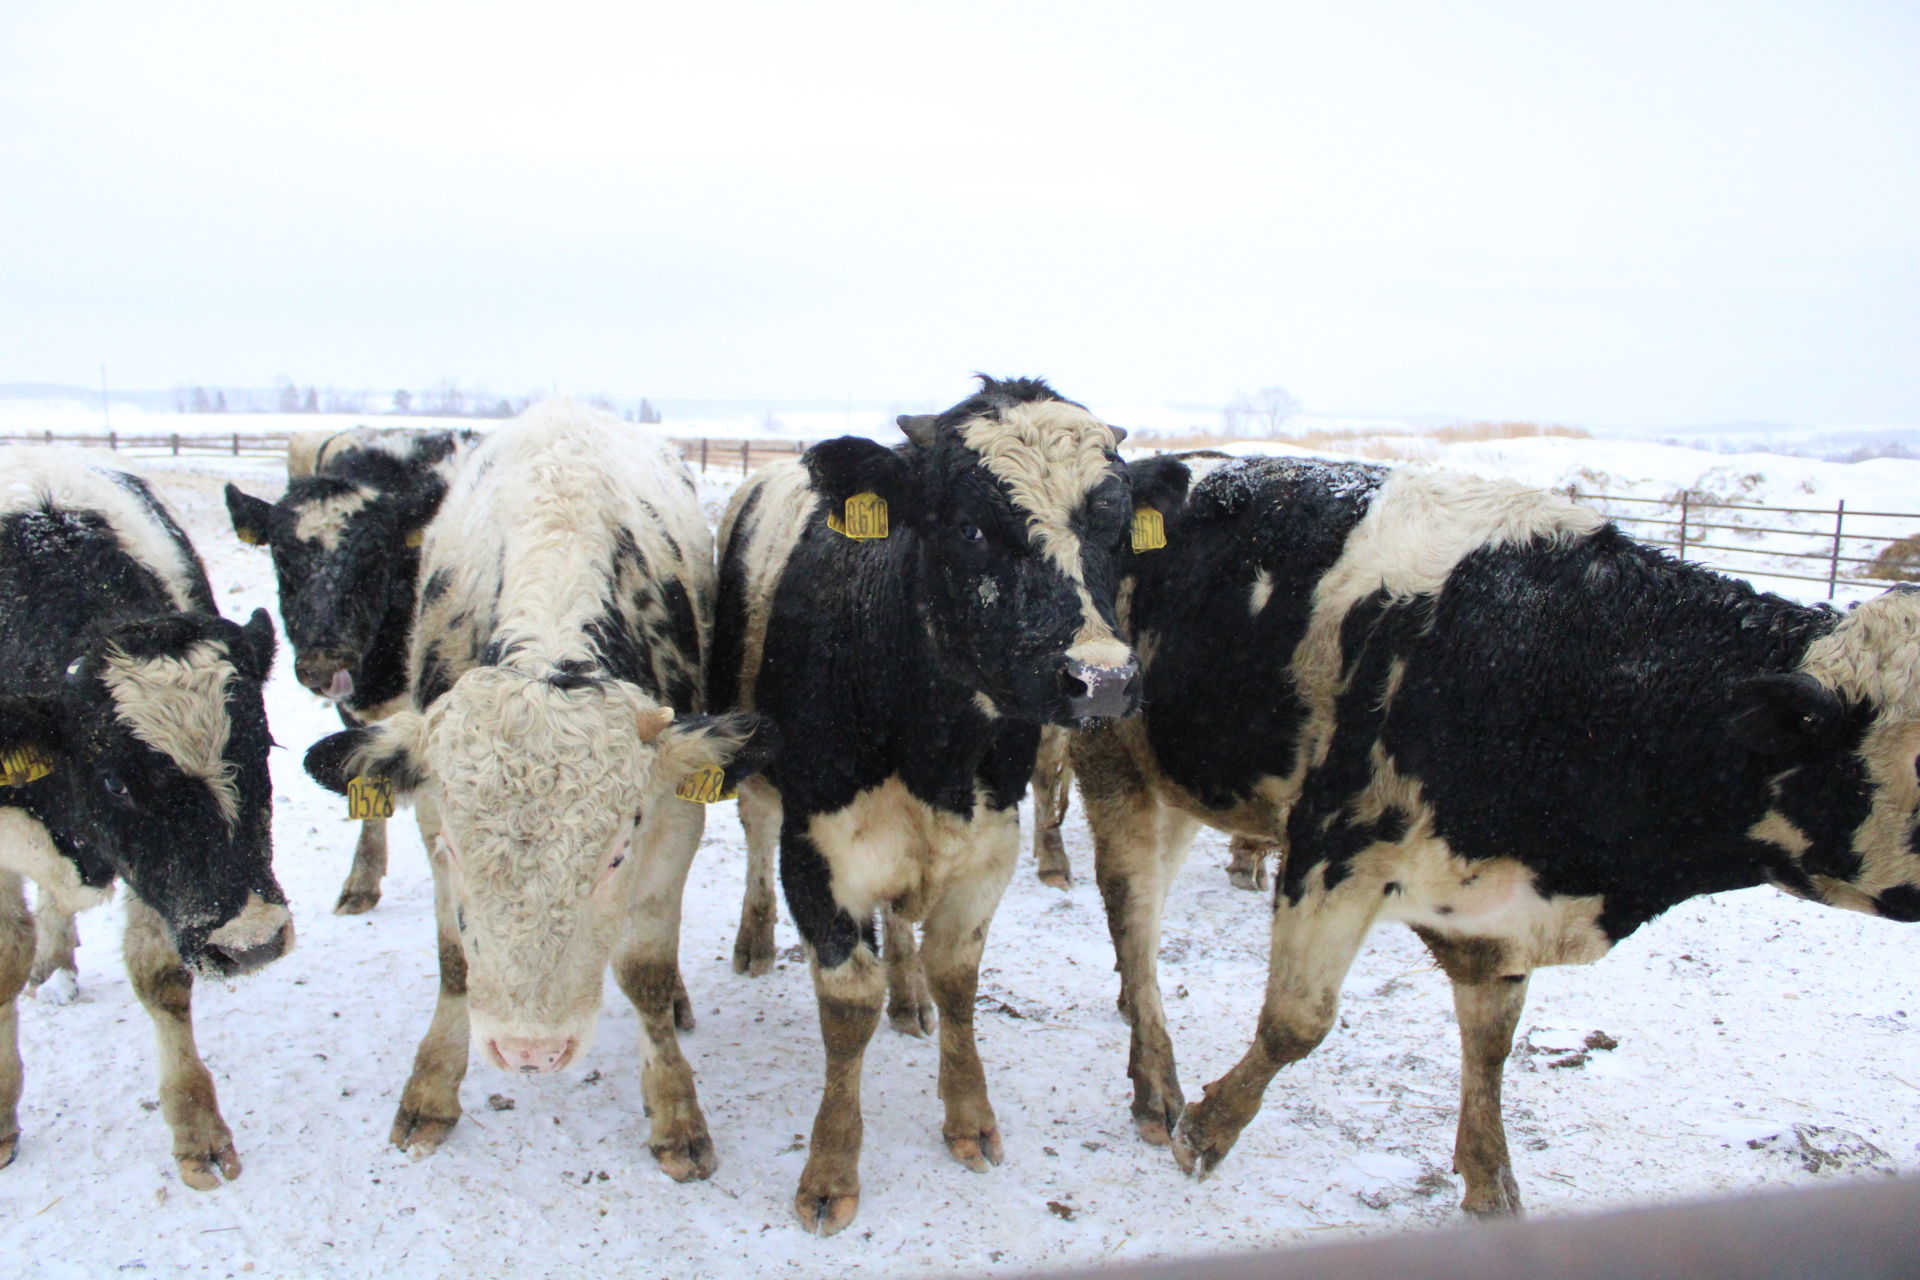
(532, 1056)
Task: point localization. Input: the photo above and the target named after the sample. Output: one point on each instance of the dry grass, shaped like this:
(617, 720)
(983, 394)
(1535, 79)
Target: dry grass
(1423, 446)
(1899, 561)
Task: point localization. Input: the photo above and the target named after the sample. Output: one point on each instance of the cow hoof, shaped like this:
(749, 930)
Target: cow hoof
(59, 987)
(1501, 1200)
(689, 1159)
(912, 1018)
(825, 1215)
(752, 959)
(1057, 879)
(683, 1012)
(1194, 1150)
(1243, 879)
(978, 1151)
(353, 902)
(419, 1135)
(1156, 1124)
(199, 1171)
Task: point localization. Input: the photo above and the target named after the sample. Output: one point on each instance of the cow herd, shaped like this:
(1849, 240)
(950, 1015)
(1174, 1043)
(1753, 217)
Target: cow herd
(1463, 704)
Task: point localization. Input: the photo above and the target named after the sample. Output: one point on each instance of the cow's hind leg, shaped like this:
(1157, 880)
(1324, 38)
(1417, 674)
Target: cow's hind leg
(430, 1104)
(909, 1000)
(55, 977)
(647, 967)
(760, 817)
(1488, 995)
(16, 957)
(1247, 862)
(1052, 776)
(361, 892)
(202, 1143)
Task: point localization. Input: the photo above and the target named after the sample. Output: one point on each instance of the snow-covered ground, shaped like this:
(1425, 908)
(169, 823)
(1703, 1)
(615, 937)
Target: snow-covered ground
(1760, 1041)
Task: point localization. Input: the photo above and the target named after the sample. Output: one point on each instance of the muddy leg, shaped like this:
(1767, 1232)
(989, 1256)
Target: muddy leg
(909, 1002)
(760, 816)
(202, 1143)
(16, 956)
(648, 969)
(430, 1104)
(850, 995)
(1247, 862)
(362, 889)
(54, 978)
(1488, 1013)
(1314, 942)
(1052, 776)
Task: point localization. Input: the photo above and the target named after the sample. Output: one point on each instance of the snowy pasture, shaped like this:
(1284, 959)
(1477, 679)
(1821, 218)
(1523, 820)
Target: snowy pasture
(1741, 1041)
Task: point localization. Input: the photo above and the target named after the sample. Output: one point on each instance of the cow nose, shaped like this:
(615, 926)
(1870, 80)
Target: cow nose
(1096, 693)
(259, 935)
(532, 1057)
(325, 673)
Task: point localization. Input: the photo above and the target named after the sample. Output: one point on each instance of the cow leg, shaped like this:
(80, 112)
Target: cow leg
(850, 995)
(362, 890)
(909, 1001)
(430, 1104)
(1247, 862)
(955, 934)
(1314, 943)
(1052, 776)
(1489, 991)
(16, 957)
(647, 967)
(760, 816)
(202, 1142)
(55, 977)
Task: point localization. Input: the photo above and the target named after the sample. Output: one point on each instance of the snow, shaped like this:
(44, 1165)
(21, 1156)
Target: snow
(1758, 1041)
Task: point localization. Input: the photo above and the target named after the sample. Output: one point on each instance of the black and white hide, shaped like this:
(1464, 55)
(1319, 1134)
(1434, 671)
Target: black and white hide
(133, 747)
(1483, 711)
(345, 539)
(909, 670)
(556, 676)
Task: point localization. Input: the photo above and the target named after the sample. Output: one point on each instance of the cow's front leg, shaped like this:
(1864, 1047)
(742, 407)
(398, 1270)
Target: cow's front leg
(55, 977)
(1488, 1012)
(760, 818)
(647, 967)
(16, 957)
(1052, 777)
(1314, 942)
(850, 995)
(361, 892)
(909, 1001)
(1247, 862)
(430, 1104)
(202, 1142)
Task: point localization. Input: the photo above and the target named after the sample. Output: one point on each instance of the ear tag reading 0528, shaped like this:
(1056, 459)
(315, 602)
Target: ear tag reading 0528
(23, 765)
(369, 798)
(1149, 529)
(705, 785)
(865, 518)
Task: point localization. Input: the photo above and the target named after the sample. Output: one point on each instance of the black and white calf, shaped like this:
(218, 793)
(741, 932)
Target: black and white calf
(345, 539)
(133, 746)
(911, 669)
(556, 673)
(1481, 710)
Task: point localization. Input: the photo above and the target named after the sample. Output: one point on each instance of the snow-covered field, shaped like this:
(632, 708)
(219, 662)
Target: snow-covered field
(1760, 1041)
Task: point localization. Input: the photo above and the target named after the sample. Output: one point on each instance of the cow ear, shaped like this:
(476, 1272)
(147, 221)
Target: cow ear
(1776, 714)
(848, 465)
(253, 654)
(918, 427)
(392, 751)
(31, 742)
(1160, 483)
(252, 517)
(740, 744)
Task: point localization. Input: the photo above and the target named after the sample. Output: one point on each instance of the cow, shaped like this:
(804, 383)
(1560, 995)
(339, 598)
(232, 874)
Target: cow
(133, 748)
(345, 540)
(914, 615)
(557, 681)
(1482, 710)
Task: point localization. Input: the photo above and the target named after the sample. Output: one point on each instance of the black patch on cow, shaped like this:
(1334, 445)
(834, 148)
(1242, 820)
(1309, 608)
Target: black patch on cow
(435, 587)
(435, 676)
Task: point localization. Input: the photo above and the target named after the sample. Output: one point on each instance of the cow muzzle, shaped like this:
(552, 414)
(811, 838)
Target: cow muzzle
(1099, 692)
(259, 935)
(530, 1056)
(325, 673)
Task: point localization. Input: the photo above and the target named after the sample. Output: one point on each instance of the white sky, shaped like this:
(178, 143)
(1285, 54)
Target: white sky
(1613, 213)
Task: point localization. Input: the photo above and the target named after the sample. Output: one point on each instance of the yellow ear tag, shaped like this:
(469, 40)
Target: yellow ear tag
(369, 798)
(705, 785)
(251, 537)
(23, 765)
(417, 537)
(865, 518)
(1149, 529)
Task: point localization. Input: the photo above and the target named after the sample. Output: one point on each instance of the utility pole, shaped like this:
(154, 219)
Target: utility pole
(104, 424)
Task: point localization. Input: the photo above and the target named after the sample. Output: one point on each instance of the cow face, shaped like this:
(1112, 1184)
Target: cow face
(346, 555)
(153, 767)
(544, 788)
(1840, 738)
(1019, 509)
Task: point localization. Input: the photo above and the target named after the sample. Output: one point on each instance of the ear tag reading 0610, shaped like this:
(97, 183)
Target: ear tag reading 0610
(369, 798)
(1149, 529)
(705, 785)
(865, 518)
(23, 765)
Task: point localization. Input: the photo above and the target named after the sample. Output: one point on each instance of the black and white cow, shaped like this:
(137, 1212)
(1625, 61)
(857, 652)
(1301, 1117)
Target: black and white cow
(1481, 710)
(557, 675)
(133, 746)
(345, 539)
(911, 673)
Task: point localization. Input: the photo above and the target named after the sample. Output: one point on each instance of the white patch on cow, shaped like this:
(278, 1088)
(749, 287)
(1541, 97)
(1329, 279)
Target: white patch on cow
(63, 479)
(888, 847)
(26, 849)
(178, 706)
(1262, 590)
(323, 520)
(778, 519)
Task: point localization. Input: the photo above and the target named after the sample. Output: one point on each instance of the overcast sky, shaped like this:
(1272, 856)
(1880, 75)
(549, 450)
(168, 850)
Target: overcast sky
(1608, 213)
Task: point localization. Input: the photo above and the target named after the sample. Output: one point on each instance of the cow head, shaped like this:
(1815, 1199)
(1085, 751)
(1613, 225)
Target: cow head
(347, 555)
(150, 763)
(1840, 740)
(1018, 508)
(544, 787)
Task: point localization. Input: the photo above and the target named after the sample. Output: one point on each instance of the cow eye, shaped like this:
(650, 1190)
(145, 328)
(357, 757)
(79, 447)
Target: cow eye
(971, 532)
(114, 786)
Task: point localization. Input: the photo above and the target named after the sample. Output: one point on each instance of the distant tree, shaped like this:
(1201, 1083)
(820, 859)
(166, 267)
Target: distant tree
(1261, 414)
(289, 397)
(199, 401)
(312, 403)
(219, 402)
(403, 401)
(448, 398)
(647, 414)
